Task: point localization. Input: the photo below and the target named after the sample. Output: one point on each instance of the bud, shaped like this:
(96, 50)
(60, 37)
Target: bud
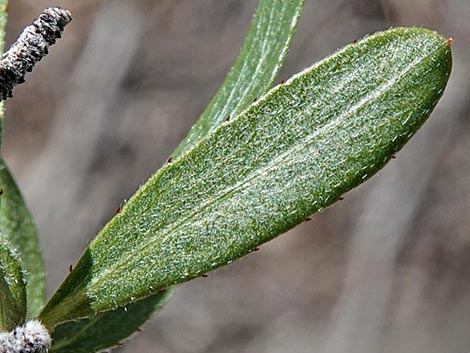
(31, 338)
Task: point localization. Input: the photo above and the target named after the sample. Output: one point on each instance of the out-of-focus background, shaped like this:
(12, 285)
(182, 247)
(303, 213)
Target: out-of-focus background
(385, 270)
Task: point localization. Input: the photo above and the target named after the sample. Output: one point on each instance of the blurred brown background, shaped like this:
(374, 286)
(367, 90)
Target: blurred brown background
(386, 270)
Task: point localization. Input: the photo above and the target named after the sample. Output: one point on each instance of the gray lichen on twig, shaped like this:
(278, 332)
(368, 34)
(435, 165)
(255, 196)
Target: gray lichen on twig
(30, 47)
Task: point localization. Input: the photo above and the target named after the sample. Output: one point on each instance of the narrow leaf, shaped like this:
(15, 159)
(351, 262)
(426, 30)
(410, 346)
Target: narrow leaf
(106, 330)
(292, 153)
(18, 230)
(255, 69)
(12, 291)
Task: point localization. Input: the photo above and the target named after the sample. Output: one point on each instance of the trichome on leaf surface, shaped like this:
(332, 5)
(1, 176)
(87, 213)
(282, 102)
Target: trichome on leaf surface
(258, 162)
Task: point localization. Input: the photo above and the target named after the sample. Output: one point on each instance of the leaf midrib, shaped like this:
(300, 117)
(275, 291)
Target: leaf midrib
(144, 248)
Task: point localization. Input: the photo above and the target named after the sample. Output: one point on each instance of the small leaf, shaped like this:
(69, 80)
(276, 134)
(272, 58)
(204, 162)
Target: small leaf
(18, 230)
(12, 291)
(292, 153)
(105, 330)
(257, 65)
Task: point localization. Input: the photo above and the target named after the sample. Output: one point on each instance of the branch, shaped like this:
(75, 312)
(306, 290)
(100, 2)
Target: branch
(30, 47)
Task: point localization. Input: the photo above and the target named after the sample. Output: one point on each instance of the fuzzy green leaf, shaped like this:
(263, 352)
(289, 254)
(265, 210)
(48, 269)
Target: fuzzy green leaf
(260, 58)
(18, 230)
(255, 69)
(105, 330)
(12, 291)
(292, 153)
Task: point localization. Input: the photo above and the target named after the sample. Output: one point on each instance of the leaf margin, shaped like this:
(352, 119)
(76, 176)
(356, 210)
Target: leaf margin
(82, 300)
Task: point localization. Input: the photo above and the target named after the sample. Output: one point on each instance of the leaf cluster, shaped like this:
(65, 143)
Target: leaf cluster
(259, 161)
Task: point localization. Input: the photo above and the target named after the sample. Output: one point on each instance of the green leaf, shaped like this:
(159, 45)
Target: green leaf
(18, 230)
(292, 153)
(260, 58)
(105, 330)
(12, 291)
(255, 69)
